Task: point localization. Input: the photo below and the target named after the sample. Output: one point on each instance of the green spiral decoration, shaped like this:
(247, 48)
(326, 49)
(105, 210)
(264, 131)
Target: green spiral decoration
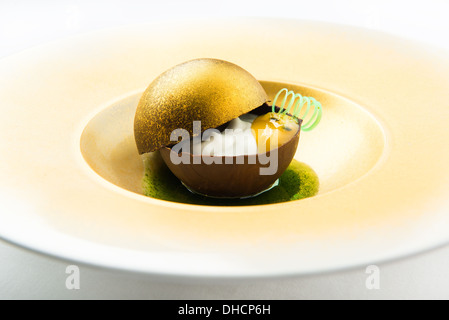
(296, 106)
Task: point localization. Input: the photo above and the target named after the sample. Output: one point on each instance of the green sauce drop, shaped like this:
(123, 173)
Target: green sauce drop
(299, 181)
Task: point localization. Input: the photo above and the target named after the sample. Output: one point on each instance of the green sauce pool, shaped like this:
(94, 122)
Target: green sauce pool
(299, 181)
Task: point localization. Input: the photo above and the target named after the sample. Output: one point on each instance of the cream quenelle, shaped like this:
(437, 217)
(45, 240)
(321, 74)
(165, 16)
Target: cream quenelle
(236, 140)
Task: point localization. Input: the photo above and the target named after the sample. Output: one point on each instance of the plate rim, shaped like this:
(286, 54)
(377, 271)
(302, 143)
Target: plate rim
(10, 239)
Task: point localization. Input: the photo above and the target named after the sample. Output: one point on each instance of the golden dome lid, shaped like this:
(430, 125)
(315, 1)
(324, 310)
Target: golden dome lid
(208, 90)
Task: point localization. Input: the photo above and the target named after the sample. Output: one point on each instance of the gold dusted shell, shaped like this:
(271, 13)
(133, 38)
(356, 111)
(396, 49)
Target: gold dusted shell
(210, 90)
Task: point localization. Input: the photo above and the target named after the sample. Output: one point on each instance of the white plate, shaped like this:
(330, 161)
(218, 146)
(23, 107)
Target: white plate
(391, 204)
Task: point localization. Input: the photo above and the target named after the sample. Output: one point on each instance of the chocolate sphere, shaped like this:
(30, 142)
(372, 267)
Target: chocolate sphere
(208, 90)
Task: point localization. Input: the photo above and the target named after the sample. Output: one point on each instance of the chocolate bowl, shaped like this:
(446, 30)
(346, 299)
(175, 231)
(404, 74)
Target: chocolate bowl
(234, 176)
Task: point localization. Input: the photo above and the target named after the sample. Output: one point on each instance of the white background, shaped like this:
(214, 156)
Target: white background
(27, 23)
